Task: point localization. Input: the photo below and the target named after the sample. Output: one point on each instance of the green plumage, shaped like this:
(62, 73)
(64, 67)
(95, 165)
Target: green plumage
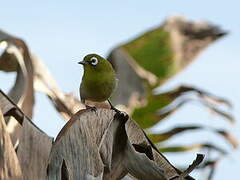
(99, 81)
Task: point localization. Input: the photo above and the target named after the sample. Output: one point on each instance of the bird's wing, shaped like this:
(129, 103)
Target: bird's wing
(82, 94)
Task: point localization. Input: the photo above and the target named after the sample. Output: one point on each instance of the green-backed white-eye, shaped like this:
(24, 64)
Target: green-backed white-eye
(98, 81)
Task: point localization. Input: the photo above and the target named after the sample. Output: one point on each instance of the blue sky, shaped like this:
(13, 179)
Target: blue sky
(62, 32)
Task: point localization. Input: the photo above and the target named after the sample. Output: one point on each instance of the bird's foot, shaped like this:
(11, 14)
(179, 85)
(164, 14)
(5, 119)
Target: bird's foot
(116, 110)
(113, 108)
(120, 113)
(92, 108)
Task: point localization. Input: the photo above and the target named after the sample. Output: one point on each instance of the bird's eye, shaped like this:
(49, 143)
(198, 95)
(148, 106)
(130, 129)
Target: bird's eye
(94, 61)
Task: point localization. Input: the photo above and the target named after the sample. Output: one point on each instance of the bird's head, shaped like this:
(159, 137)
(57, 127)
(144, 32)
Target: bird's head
(94, 62)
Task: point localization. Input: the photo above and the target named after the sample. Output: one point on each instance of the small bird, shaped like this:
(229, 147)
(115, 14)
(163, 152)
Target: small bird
(98, 81)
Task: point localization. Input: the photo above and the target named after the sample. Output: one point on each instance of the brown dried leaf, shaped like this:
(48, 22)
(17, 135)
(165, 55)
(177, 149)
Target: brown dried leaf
(106, 148)
(34, 145)
(65, 104)
(31, 70)
(34, 148)
(22, 93)
(9, 164)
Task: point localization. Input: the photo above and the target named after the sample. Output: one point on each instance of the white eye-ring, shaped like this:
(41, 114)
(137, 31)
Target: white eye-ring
(94, 61)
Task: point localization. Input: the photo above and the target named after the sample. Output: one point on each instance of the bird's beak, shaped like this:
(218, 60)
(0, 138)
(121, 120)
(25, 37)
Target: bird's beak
(82, 62)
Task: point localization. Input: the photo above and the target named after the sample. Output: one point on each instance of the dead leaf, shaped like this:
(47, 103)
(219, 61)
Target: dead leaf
(105, 149)
(22, 93)
(65, 104)
(9, 164)
(34, 145)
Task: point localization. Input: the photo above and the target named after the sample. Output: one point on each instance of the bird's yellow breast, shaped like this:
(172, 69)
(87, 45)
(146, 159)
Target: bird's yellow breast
(97, 86)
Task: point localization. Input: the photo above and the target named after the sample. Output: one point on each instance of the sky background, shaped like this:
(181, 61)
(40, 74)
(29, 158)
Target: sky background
(62, 32)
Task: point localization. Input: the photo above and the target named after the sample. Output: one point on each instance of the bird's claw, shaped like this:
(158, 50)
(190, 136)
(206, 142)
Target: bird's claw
(116, 110)
(120, 113)
(92, 108)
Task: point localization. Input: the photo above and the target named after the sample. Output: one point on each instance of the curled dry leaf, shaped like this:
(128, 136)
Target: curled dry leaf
(31, 73)
(105, 145)
(34, 145)
(9, 164)
(16, 57)
(66, 104)
(17, 53)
